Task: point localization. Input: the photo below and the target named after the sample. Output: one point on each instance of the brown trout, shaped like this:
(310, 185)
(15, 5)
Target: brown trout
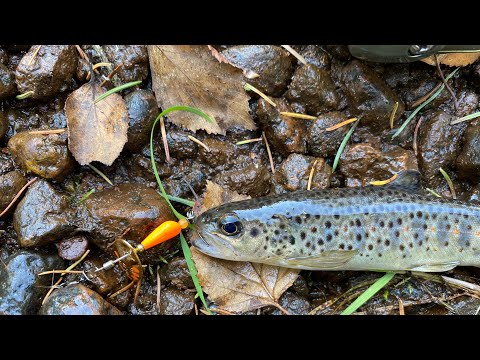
(391, 227)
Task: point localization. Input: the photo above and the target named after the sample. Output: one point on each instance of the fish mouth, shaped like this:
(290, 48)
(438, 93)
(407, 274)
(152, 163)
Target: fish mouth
(202, 245)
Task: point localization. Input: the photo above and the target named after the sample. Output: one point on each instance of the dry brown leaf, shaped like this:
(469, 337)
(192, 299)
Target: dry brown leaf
(453, 59)
(242, 286)
(216, 195)
(233, 285)
(96, 132)
(190, 75)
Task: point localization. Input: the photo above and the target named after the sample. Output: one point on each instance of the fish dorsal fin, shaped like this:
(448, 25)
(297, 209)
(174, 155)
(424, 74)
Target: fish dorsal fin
(408, 180)
(326, 260)
(439, 267)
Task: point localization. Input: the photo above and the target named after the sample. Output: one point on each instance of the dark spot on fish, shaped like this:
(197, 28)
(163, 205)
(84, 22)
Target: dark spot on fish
(448, 226)
(267, 238)
(399, 221)
(320, 242)
(469, 227)
(298, 219)
(277, 232)
(313, 229)
(359, 237)
(336, 216)
(379, 241)
(402, 247)
(389, 192)
(397, 233)
(313, 247)
(387, 242)
(419, 214)
(284, 246)
(278, 252)
(434, 216)
(281, 226)
(456, 220)
(411, 215)
(404, 256)
(379, 255)
(303, 235)
(350, 247)
(308, 244)
(341, 246)
(415, 236)
(367, 235)
(390, 224)
(301, 251)
(254, 232)
(380, 194)
(361, 254)
(328, 224)
(335, 232)
(428, 248)
(382, 224)
(307, 216)
(358, 223)
(281, 241)
(317, 216)
(329, 237)
(465, 216)
(427, 216)
(265, 247)
(351, 223)
(275, 216)
(467, 244)
(445, 217)
(446, 243)
(411, 245)
(265, 231)
(292, 240)
(420, 243)
(370, 247)
(425, 226)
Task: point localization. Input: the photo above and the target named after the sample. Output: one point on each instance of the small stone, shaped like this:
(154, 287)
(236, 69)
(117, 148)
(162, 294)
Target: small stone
(7, 83)
(221, 152)
(468, 162)
(77, 300)
(174, 301)
(314, 55)
(134, 60)
(3, 125)
(324, 143)
(21, 289)
(253, 180)
(369, 97)
(72, 248)
(177, 273)
(180, 146)
(294, 304)
(82, 71)
(44, 155)
(272, 63)
(10, 184)
(314, 89)
(43, 216)
(142, 111)
(49, 72)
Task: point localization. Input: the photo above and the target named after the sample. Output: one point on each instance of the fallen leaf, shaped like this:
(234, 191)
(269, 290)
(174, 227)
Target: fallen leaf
(235, 285)
(242, 286)
(190, 75)
(453, 59)
(96, 131)
(215, 195)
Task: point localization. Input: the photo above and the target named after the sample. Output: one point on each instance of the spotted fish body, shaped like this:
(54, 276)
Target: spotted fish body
(390, 227)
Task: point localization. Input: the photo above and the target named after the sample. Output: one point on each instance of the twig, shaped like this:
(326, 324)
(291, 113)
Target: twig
(384, 182)
(47, 132)
(61, 272)
(111, 75)
(34, 55)
(401, 308)
(339, 125)
(101, 174)
(392, 115)
(279, 307)
(82, 53)
(159, 288)
(310, 177)
(220, 311)
(164, 138)
(270, 158)
(125, 288)
(249, 87)
(294, 53)
(297, 115)
(100, 64)
(415, 135)
(195, 140)
(17, 196)
(243, 142)
(424, 97)
(450, 90)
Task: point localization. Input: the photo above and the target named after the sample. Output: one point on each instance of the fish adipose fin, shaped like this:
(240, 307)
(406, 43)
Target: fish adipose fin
(327, 260)
(436, 267)
(408, 180)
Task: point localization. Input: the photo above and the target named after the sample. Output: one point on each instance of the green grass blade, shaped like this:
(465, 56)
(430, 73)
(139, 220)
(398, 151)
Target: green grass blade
(342, 146)
(25, 95)
(449, 182)
(421, 106)
(85, 197)
(116, 89)
(466, 118)
(367, 294)
(181, 201)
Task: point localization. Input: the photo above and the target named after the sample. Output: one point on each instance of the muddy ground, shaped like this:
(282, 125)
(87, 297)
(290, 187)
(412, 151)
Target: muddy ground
(53, 223)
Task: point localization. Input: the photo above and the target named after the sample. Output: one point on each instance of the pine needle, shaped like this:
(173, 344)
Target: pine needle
(449, 182)
(17, 196)
(392, 115)
(294, 53)
(195, 140)
(310, 177)
(433, 192)
(270, 158)
(243, 142)
(297, 115)
(249, 87)
(383, 182)
(339, 125)
(101, 174)
(342, 146)
(466, 118)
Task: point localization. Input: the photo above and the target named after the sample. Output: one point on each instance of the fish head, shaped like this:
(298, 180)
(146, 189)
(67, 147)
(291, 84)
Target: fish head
(228, 234)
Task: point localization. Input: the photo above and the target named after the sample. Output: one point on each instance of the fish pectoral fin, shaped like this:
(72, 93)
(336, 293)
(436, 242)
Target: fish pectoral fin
(436, 267)
(324, 261)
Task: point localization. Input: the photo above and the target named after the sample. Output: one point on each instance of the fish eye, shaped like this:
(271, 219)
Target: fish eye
(230, 224)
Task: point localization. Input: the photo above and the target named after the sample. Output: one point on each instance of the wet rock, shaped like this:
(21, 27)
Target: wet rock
(77, 300)
(7, 83)
(272, 63)
(142, 111)
(133, 206)
(314, 55)
(21, 289)
(146, 302)
(72, 248)
(43, 216)
(326, 143)
(439, 144)
(177, 273)
(295, 170)
(3, 56)
(50, 71)
(10, 185)
(3, 125)
(300, 286)
(174, 301)
(368, 96)
(293, 303)
(6, 163)
(284, 134)
(314, 89)
(363, 163)
(341, 52)
(134, 59)
(465, 305)
(467, 102)
(44, 155)
(253, 180)
(180, 146)
(83, 68)
(178, 184)
(468, 162)
(222, 153)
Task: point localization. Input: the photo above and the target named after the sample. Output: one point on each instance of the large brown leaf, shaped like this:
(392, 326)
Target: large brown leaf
(190, 75)
(96, 131)
(453, 59)
(239, 286)
(242, 286)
